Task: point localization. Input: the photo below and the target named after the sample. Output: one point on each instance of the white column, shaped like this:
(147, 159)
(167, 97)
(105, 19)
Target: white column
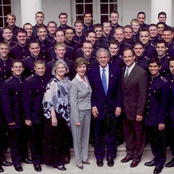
(28, 10)
(161, 5)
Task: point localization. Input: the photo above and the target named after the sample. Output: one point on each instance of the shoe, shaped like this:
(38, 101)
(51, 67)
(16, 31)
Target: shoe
(134, 164)
(62, 168)
(37, 168)
(80, 167)
(110, 161)
(100, 162)
(1, 169)
(126, 159)
(18, 168)
(151, 163)
(170, 163)
(6, 163)
(27, 161)
(86, 162)
(157, 170)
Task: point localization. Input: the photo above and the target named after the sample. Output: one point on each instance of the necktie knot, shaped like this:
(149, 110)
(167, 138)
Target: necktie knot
(103, 70)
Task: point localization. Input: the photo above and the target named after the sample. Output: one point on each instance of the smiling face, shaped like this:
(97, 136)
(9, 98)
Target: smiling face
(167, 36)
(39, 18)
(7, 34)
(87, 49)
(60, 52)
(63, 20)
(99, 32)
(40, 69)
(119, 34)
(128, 58)
(113, 49)
(29, 29)
(161, 49)
(114, 18)
(34, 49)
(103, 59)
(87, 19)
(22, 38)
(128, 33)
(17, 69)
(171, 67)
(154, 69)
(138, 50)
(81, 70)
(10, 21)
(91, 37)
(107, 28)
(69, 34)
(60, 70)
(153, 31)
(141, 18)
(4, 50)
(144, 37)
(42, 33)
(60, 37)
(51, 28)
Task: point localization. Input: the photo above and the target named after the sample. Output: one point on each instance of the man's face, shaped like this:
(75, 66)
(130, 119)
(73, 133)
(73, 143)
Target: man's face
(22, 38)
(88, 19)
(154, 69)
(141, 18)
(138, 50)
(63, 20)
(7, 35)
(167, 36)
(162, 18)
(99, 32)
(78, 27)
(60, 37)
(135, 26)
(153, 31)
(103, 59)
(160, 28)
(171, 67)
(87, 49)
(11, 21)
(40, 69)
(17, 69)
(114, 18)
(106, 28)
(42, 33)
(28, 29)
(34, 49)
(119, 35)
(69, 34)
(113, 49)
(128, 33)
(128, 58)
(144, 37)
(4, 50)
(91, 37)
(161, 49)
(60, 52)
(52, 28)
(39, 18)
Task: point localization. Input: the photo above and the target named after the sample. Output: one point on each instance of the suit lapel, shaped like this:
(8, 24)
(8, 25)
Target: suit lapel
(132, 74)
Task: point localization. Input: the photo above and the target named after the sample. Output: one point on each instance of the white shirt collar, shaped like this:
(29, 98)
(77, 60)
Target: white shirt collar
(80, 79)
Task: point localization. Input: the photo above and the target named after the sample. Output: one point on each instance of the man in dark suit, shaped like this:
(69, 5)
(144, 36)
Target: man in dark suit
(134, 82)
(106, 106)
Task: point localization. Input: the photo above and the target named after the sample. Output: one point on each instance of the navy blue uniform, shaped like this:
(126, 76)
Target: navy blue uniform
(136, 37)
(114, 27)
(51, 38)
(123, 45)
(80, 39)
(164, 64)
(149, 50)
(144, 25)
(14, 30)
(108, 38)
(33, 90)
(60, 27)
(117, 60)
(35, 29)
(130, 41)
(155, 40)
(170, 50)
(74, 44)
(101, 43)
(142, 61)
(156, 113)
(88, 28)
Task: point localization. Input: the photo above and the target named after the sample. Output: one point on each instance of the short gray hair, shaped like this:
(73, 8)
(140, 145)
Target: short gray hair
(102, 50)
(60, 61)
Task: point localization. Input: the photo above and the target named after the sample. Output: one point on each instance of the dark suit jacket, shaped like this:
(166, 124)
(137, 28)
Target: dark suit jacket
(106, 103)
(134, 92)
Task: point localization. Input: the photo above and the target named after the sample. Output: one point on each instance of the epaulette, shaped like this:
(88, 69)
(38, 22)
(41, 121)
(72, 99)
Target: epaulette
(153, 45)
(10, 78)
(49, 40)
(14, 46)
(30, 77)
(50, 62)
(120, 56)
(26, 58)
(11, 58)
(147, 58)
(68, 59)
(77, 41)
(168, 57)
(128, 44)
(69, 47)
(164, 79)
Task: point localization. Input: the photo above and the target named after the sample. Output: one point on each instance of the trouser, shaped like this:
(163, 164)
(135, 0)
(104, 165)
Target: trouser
(170, 137)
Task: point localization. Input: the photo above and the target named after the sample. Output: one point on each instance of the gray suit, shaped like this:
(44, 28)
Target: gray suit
(80, 103)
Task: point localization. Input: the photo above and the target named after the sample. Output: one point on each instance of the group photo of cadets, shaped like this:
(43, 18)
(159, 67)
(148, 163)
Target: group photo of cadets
(65, 87)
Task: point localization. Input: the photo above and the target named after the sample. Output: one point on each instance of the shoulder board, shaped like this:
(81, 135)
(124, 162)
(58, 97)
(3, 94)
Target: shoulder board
(50, 61)
(26, 58)
(11, 59)
(153, 45)
(128, 44)
(10, 78)
(147, 58)
(30, 77)
(69, 47)
(49, 40)
(168, 57)
(68, 59)
(163, 79)
(77, 41)
(14, 46)
(120, 56)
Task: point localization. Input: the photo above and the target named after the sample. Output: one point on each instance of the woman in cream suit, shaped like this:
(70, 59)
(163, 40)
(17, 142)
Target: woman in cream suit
(80, 104)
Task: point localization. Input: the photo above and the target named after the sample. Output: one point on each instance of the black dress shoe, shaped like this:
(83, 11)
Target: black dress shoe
(27, 161)
(126, 159)
(80, 167)
(110, 161)
(1, 169)
(134, 164)
(37, 168)
(86, 162)
(62, 168)
(100, 163)
(6, 163)
(151, 163)
(157, 170)
(170, 163)
(18, 168)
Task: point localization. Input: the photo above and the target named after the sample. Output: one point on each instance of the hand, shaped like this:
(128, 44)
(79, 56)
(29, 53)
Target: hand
(77, 123)
(12, 124)
(139, 118)
(95, 111)
(54, 121)
(28, 122)
(117, 111)
(161, 126)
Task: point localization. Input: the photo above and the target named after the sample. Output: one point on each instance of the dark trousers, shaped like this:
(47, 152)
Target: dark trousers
(36, 142)
(105, 128)
(169, 134)
(18, 144)
(157, 139)
(134, 135)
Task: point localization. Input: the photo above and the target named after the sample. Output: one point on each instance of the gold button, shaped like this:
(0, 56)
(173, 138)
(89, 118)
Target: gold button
(147, 106)
(20, 82)
(148, 100)
(150, 88)
(147, 112)
(16, 93)
(149, 94)
(150, 82)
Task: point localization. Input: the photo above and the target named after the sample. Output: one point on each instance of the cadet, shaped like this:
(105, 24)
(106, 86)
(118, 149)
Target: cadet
(155, 115)
(128, 35)
(20, 51)
(11, 98)
(51, 27)
(140, 59)
(33, 89)
(160, 27)
(136, 26)
(29, 29)
(107, 31)
(141, 16)
(88, 26)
